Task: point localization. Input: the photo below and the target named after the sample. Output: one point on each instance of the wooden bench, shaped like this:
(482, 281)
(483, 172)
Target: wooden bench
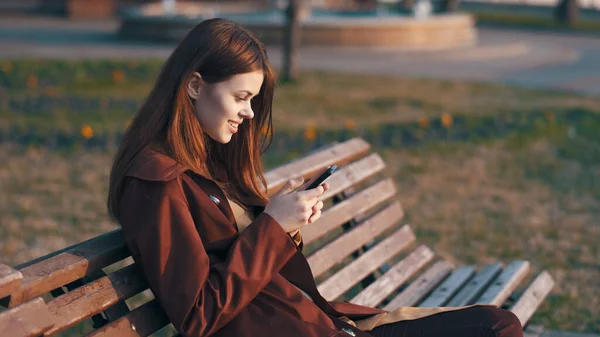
(358, 251)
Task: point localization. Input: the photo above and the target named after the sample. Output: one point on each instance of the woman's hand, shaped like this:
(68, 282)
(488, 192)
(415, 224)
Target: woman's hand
(295, 209)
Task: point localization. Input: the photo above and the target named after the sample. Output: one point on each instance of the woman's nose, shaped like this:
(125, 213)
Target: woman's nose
(247, 112)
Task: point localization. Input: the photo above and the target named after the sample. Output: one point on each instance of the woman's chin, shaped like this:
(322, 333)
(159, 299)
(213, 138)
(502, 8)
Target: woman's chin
(224, 139)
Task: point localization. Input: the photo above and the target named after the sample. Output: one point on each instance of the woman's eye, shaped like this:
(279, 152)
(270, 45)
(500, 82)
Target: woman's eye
(238, 99)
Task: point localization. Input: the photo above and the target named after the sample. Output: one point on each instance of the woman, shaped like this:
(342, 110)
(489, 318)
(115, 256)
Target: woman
(187, 187)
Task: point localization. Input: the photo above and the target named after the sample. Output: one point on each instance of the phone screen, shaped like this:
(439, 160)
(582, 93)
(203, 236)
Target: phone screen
(321, 178)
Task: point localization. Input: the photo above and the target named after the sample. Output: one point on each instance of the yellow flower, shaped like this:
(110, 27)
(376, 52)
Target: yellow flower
(51, 91)
(310, 133)
(350, 124)
(423, 122)
(118, 76)
(447, 120)
(87, 132)
(32, 82)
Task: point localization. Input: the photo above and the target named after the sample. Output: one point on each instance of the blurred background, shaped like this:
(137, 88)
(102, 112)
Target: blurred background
(486, 111)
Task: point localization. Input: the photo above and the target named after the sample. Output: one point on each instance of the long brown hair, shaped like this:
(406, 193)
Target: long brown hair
(217, 49)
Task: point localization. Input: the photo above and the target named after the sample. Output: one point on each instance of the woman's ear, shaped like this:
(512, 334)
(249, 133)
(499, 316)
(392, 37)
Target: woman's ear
(194, 84)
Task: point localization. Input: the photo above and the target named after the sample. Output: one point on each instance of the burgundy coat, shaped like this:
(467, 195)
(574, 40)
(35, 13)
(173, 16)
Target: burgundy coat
(212, 280)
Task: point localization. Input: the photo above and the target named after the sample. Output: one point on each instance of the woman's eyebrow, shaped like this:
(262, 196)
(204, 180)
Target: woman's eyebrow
(247, 92)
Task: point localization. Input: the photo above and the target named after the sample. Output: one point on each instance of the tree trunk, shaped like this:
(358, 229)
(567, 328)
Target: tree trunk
(450, 6)
(567, 12)
(406, 5)
(291, 42)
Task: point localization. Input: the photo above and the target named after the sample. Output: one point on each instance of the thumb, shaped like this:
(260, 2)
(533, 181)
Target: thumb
(291, 185)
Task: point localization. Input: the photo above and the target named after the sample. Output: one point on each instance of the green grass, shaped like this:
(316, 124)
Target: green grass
(319, 98)
(530, 195)
(534, 22)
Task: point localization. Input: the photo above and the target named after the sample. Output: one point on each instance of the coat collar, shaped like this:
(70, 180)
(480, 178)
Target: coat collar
(153, 165)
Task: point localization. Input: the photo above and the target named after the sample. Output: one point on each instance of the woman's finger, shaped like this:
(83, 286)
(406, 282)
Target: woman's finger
(291, 185)
(312, 193)
(315, 216)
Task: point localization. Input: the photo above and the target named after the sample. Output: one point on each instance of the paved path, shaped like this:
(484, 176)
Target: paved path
(546, 60)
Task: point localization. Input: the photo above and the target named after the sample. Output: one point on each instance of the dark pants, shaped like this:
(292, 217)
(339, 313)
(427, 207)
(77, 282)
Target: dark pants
(469, 322)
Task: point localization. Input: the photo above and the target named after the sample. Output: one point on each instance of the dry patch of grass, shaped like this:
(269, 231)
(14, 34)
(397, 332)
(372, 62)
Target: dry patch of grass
(472, 203)
(483, 203)
(50, 200)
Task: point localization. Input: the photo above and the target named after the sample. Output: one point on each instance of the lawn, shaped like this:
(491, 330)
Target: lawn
(528, 21)
(532, 195)
(103, 94)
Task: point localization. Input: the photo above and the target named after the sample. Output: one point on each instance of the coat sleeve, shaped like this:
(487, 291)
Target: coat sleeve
(198, 295)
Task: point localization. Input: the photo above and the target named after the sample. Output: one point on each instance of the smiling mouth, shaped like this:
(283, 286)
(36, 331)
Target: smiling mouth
(233, 127)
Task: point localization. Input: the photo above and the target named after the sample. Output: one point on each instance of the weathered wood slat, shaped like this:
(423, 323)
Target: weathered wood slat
(531, 299)
(344, 279)
(72, 263)
(140, 322)
(442, 294)
(476, 286)
(422, 286)
(359, 203)
(339, 154)
(353, 174)
(29, 319)
(94, 297)
(336, 251)
(10, 279)
(505, 283)
(387, 283)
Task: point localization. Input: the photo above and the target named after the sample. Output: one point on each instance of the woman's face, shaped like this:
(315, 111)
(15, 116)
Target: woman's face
(221, 107)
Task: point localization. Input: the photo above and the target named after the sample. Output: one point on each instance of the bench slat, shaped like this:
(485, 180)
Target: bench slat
(336, 251)
(533, 297)
(476, 286)
(55, 270)
(420, 287)
(387, 283)
(29, 319)
(344, 279)
(343, 212)
(94, 297)
(353, 174)
(10, 279)
(442, 294)
(339, 154)
(140, 322)
(505, 283)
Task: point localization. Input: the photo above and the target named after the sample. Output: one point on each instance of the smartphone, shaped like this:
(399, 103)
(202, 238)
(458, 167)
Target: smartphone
(313, 183)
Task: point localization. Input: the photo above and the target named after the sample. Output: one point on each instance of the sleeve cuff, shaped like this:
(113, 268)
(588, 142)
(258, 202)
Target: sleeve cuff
(297, 238)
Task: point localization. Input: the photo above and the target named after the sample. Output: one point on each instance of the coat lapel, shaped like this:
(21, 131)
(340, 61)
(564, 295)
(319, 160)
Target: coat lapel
(210, 188)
